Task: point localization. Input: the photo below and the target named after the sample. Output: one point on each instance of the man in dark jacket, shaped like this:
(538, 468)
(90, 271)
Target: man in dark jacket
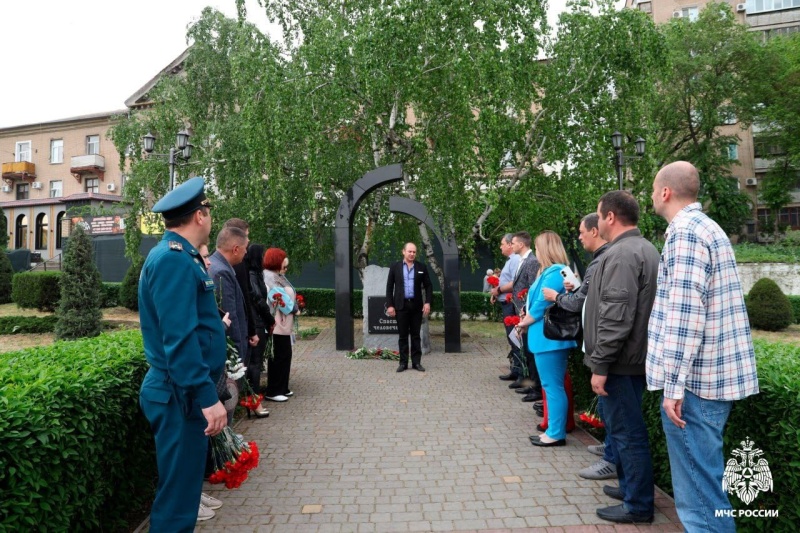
(573, 300)
(231, 247)
(408, 280)
(618, 307)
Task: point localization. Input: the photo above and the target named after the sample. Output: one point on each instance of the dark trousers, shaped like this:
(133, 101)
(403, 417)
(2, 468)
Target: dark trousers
(514, 357)
(622, 409)
(279, 367)
(255, 360)
(409, 322)
(533, 372)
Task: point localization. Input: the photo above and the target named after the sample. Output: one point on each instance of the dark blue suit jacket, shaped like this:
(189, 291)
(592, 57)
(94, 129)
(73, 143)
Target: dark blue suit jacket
(231, 300)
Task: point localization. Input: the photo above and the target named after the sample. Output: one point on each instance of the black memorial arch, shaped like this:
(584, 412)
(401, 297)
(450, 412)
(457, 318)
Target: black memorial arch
(343, 252)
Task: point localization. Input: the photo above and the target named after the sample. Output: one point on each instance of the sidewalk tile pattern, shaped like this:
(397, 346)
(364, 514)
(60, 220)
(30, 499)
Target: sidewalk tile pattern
(361, 448)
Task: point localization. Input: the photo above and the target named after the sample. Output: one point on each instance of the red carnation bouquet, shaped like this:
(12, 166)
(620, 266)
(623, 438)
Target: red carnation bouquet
(591, 417)
(301, 302)
(522, 295)
(493, 281)
(512, 320)
(232, 458)
(508, 297)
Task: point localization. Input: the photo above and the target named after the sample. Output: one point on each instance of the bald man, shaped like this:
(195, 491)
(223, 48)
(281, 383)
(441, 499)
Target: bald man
(700, 353)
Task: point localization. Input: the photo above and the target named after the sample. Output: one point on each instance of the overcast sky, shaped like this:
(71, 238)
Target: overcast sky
(65, 58)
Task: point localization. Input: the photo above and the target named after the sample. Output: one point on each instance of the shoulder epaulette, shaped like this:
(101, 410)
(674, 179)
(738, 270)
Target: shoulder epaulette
(175, 245)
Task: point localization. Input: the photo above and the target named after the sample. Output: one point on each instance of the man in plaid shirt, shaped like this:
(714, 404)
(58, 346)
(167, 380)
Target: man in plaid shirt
(700, 352)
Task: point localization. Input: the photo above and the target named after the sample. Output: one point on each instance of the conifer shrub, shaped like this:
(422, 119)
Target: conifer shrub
(129, 290)
(6, 275)
(769, 309)
(79, 312)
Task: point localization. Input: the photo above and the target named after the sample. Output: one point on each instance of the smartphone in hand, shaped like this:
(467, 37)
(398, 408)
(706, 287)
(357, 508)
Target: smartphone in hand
(569, 277)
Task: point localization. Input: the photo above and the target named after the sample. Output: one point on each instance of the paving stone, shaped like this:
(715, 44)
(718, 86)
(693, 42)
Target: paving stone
(385, 452)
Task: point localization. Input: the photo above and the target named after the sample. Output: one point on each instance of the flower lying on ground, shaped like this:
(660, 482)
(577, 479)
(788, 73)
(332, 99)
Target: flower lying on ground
(232, 458)
(379, 353)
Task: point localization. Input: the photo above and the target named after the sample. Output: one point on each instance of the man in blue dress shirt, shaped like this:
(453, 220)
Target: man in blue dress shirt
(184, 342)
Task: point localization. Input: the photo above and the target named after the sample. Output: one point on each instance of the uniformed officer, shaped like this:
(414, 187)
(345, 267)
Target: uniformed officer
(184, 343)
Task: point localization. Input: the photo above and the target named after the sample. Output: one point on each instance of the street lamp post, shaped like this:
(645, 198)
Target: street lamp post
(620, 158)
(182, 149)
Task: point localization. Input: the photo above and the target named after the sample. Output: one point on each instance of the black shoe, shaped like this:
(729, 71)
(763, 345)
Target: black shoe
(538, 410)
(541, 428)
(532, 397)
(402, 367)
(524, 390)
(418, 367)
(536, 441)
(618, 514)
(509, 377)
(516, 385)
(538, 404)
(613, 492)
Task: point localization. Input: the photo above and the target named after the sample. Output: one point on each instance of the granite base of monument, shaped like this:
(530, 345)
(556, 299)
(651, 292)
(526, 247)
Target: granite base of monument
(380, 330)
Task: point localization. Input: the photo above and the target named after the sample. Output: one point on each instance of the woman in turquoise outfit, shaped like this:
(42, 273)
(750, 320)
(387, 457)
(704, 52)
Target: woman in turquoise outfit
(550, 355)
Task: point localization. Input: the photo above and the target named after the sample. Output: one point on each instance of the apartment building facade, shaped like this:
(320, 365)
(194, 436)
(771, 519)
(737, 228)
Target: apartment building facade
(754, 152)
(54, 175)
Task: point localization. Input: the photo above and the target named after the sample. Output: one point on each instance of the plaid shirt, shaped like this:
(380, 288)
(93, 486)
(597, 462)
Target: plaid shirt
(699, 333)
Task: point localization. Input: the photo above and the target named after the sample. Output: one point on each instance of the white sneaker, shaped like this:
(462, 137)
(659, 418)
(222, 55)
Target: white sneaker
(290, 393)
(210, 501)
(602, 469)
(278, 398)
(597, 449)
(205, 513)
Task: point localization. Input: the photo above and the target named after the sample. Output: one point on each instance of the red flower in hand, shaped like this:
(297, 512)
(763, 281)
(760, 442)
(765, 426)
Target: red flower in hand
(521, 295)
(508, 298)
(301, 302)
(511, 320)
(494, 281)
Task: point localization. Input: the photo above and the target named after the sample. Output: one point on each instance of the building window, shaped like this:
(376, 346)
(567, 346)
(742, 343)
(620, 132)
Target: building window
(690, 13)
(733, 151)
(59, 222)
(56, 190)
(789, 217)
(41, 231)
(645, 7)
(23, 191)
(92, 144)
(93, 185)
(23, 152)
(21, 238)
(57, 151)
(760, 6)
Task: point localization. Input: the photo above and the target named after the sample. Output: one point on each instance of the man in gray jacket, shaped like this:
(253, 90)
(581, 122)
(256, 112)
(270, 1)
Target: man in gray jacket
(618, 307)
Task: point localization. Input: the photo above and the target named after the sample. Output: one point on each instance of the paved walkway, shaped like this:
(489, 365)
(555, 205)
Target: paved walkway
(362, 448)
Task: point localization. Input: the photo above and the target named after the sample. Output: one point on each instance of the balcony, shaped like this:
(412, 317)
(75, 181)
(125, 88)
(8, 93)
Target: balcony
(760, 163)
(19, 170)
(88, 164)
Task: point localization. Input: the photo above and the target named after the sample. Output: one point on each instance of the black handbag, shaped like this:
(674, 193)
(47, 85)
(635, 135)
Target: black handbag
(561, 325)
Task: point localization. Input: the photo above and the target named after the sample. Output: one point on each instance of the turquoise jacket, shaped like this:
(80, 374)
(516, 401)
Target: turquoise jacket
(183, 336)
(536, 305)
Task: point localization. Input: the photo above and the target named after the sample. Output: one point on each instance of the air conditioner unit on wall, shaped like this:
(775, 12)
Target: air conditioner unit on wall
(741, 8)
(751, 182)
(6, 188)
(36, 185)
(111, 187)
(677, 14)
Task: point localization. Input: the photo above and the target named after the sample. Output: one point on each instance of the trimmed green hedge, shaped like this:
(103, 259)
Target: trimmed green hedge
(41, 290)
(795, 301)
(10, 325)
(36, 290)
(771, 419)
(75, 452)
(322, 302)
